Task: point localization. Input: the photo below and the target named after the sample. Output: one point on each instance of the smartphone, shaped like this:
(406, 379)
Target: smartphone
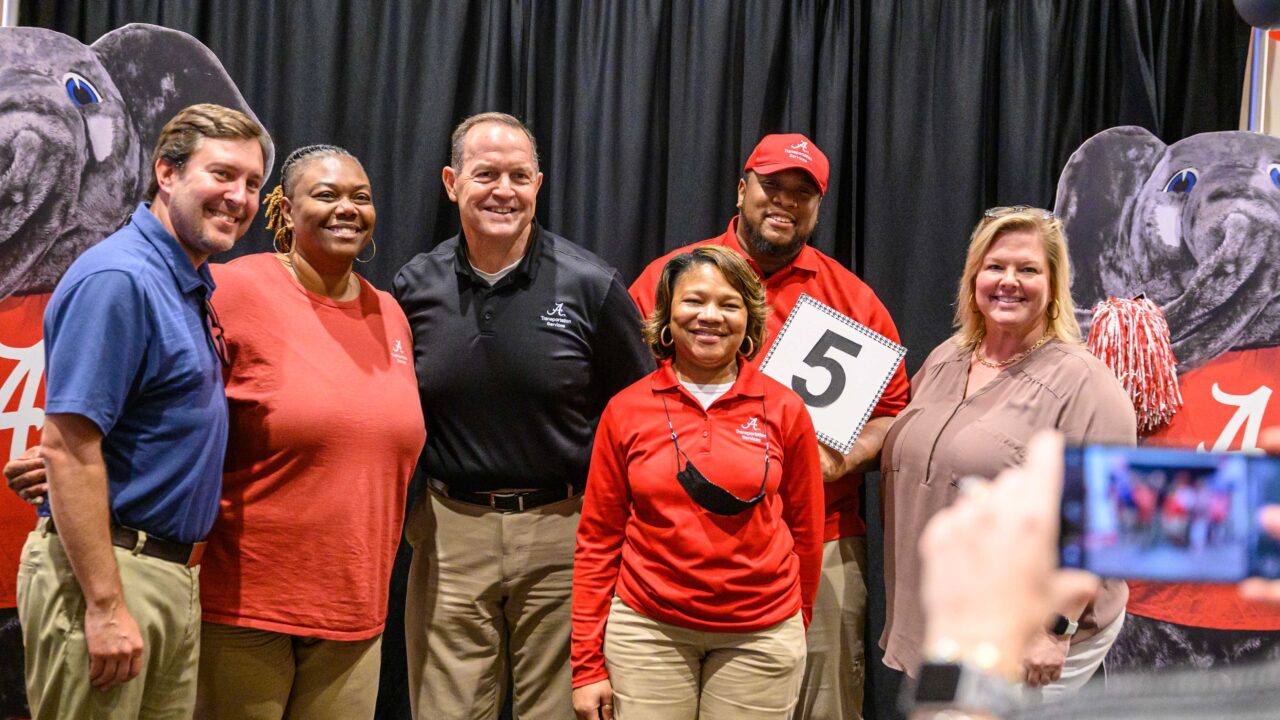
(1168, 514)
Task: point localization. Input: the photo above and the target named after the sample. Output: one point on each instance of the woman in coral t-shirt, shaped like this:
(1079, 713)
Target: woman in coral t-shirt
(326, 428)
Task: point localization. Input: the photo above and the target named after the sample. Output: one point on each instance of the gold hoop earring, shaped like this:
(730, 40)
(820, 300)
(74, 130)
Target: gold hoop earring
(752, 347)
(1053, 310)
(275, 242)
(666, 341)
(373, 255)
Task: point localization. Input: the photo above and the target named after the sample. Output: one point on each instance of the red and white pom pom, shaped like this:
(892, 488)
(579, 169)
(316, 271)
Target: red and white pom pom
(1132, 338)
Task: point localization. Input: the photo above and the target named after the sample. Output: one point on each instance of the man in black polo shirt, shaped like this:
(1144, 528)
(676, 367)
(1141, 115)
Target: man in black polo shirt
(520, 338)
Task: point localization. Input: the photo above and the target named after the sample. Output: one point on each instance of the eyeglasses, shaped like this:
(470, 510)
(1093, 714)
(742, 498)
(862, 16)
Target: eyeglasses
(216, 333)
(1001, 211)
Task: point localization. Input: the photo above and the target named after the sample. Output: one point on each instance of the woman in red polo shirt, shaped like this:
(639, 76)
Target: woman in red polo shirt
(701, 535)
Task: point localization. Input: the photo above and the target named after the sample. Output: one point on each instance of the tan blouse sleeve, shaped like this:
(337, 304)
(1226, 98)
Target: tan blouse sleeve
(1099, 411)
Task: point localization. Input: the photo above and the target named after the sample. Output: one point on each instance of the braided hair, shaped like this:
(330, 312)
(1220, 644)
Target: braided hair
(288, 173)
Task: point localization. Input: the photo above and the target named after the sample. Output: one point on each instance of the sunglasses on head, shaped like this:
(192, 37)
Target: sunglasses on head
(1001, 211)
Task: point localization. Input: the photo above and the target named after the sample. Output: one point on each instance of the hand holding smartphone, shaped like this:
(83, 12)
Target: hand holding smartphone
(1168, 514)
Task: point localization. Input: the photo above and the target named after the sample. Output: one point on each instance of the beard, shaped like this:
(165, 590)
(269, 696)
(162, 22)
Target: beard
(757, 244)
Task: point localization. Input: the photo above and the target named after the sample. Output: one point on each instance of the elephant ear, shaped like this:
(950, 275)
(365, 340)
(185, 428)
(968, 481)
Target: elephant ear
(1096, 197)
(160, 71)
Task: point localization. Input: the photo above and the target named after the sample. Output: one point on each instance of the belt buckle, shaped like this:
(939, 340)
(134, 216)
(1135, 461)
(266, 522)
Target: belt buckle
(438, 485)
(493, 500)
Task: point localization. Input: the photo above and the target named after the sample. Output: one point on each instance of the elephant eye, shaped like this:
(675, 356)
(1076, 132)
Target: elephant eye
(1182, 182)
(1273, 170)
(80, 90)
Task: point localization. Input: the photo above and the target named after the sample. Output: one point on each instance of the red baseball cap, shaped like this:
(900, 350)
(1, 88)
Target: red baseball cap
(776, 153)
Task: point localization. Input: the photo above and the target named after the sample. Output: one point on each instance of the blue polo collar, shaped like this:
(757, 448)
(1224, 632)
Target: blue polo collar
(189, 279)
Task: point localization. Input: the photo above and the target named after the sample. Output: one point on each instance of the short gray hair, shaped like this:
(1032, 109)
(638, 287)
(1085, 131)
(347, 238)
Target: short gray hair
(501, 118)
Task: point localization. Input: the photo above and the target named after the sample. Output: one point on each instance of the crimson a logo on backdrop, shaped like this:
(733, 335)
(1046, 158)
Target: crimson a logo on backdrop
(19, 412)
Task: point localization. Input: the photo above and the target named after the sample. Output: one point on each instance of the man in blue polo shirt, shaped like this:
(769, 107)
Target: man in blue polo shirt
(134, 435)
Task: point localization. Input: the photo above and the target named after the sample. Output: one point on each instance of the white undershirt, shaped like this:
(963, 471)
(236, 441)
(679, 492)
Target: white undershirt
(707, 394)
(493, 278)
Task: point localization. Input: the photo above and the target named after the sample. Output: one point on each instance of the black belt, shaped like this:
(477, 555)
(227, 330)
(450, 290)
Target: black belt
(188, 554)
(506, 501)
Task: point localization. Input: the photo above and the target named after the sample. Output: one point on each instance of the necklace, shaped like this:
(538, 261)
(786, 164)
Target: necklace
(977, 354)
(293, 270)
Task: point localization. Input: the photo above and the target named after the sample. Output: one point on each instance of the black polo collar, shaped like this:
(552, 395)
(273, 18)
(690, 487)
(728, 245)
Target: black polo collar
(527, 270)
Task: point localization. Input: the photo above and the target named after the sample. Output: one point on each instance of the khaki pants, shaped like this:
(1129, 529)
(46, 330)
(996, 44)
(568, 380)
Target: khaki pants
(834, 671)
(664, 672)
(488, 598)
(164, 599)
(261, 675)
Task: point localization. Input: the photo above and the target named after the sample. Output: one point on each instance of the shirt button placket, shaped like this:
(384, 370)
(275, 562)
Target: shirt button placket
(486, 317)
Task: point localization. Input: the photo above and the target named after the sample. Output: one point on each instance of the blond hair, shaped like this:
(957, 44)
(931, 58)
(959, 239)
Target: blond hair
(1060, 313)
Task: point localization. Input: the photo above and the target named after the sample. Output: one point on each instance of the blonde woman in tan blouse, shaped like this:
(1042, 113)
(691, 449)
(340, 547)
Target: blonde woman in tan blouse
(1015, 365)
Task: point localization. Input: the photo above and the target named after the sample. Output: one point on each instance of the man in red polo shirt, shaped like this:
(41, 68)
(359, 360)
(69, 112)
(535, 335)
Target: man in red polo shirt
(781, 189)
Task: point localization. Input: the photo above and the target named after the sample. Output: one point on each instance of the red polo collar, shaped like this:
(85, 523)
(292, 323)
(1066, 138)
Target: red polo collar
(749, 383)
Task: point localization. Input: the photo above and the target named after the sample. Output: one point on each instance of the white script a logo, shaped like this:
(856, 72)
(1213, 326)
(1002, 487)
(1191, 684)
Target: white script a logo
(556, 317)
(751, 430)
(398, 354)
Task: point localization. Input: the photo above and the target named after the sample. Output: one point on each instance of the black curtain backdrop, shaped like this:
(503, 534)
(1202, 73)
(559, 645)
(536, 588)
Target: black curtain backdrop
(930, 111)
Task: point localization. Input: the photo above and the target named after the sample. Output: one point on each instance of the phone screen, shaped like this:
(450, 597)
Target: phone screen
(1168, 514)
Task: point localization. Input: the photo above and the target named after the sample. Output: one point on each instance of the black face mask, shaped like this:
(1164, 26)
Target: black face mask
(707, 494)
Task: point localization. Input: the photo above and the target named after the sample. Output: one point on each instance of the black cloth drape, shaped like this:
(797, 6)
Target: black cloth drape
(930, 111)
(646, 109)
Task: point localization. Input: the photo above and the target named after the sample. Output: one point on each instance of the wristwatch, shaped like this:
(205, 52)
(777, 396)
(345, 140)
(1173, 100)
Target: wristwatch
(1062, 627)
(957, 686)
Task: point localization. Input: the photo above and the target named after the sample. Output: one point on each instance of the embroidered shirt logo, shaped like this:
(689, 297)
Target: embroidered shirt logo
(555, 317)
(750, 430)
(398, 354)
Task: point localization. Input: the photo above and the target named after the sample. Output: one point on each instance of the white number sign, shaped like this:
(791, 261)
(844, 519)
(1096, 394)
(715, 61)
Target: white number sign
(838, 366)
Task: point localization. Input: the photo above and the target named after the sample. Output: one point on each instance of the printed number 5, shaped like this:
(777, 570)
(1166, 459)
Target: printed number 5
(818, 357)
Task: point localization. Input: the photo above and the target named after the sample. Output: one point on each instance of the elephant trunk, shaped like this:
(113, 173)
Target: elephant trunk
(1229, 290)
(39, 185)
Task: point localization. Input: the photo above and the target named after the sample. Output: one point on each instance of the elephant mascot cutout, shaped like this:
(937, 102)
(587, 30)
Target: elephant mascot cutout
(77, 127)
(1196, 227)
